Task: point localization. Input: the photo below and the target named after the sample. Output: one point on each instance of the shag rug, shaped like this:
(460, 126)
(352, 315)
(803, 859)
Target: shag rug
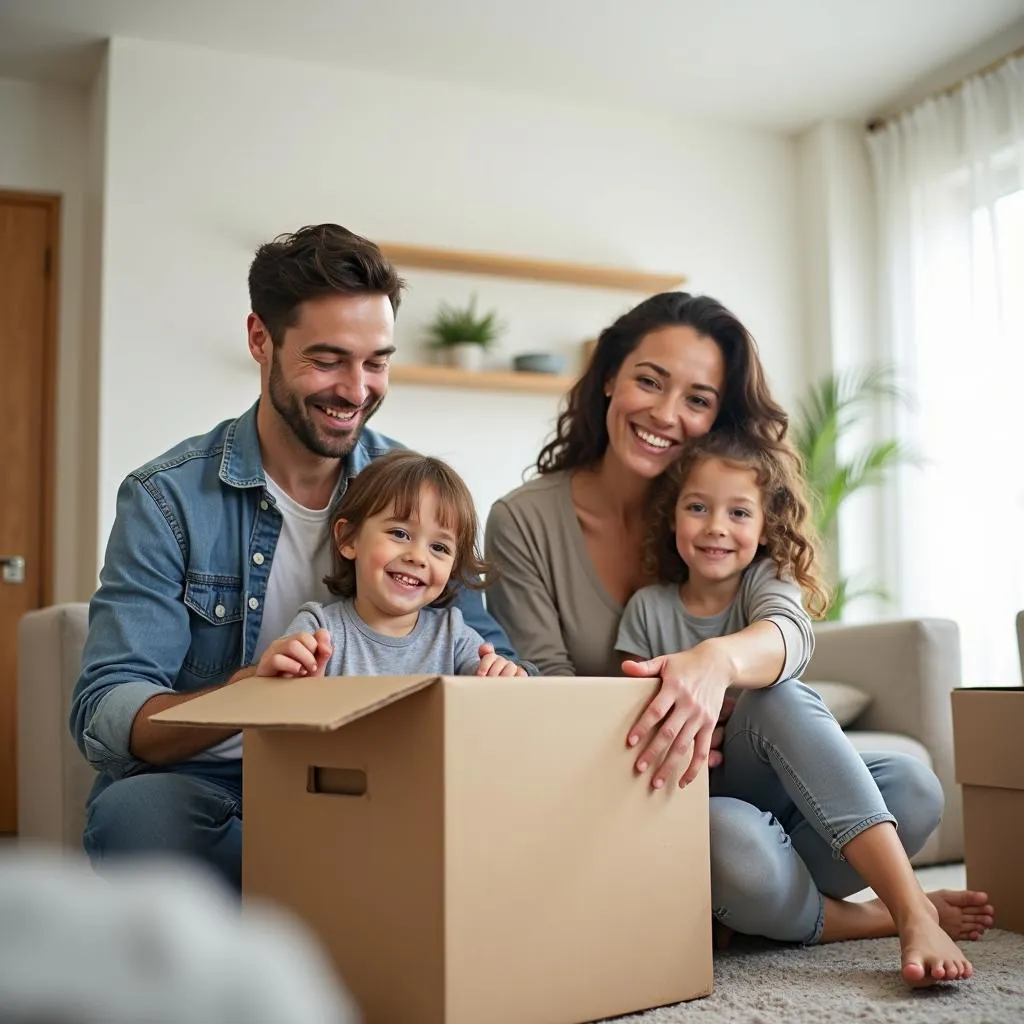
(758, 982)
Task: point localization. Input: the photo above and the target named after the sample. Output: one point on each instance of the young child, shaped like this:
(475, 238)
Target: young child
(404, 534)
(730, 541)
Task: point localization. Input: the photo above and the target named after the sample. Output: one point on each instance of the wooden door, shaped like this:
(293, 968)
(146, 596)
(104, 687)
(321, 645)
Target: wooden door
(28, 321)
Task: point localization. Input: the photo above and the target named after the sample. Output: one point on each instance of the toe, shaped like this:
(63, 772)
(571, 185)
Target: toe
(965, 898)
(913, 969)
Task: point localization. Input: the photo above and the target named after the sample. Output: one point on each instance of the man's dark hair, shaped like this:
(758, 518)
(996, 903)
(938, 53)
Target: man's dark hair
(321, 259)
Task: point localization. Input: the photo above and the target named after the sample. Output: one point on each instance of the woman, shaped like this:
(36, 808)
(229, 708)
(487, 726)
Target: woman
(568, 545)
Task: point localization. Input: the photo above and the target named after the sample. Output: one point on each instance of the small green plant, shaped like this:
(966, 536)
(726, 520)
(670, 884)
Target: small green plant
(833, 407)
(452, 326)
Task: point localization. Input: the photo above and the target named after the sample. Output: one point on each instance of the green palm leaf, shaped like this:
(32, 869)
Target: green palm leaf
(831, 408)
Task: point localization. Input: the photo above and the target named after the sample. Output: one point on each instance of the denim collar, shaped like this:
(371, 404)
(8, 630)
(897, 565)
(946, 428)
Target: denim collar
(242, 464)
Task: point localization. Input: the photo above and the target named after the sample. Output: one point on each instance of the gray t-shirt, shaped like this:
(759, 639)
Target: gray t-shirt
(440, 643)
(656, 620)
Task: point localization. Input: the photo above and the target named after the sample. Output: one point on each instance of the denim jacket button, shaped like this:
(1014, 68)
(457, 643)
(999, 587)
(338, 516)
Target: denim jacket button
(220, 611)
(258, 558)
(264, 505)
(253, 603)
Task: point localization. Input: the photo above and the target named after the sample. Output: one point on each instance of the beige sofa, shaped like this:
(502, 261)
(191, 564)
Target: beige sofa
(909, 668)
(1020, 642)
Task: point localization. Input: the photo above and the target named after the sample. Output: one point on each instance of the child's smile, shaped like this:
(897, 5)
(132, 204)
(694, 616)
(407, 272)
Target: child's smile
(719, 522)
(401, 565)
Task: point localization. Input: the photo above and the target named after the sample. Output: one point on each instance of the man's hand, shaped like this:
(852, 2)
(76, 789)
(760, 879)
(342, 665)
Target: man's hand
(297, 656)
(492, 664)
(677, 729)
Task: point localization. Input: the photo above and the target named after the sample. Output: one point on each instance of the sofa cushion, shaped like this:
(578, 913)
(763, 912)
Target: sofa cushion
(865, 742)
(845, 702)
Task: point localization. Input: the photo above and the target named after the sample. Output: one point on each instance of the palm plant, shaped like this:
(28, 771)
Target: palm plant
(833, 407)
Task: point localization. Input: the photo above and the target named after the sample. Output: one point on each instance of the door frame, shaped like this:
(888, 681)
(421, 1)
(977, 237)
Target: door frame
(51, 203)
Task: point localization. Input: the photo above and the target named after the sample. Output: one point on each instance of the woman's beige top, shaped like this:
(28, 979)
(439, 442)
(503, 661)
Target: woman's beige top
(547, 595)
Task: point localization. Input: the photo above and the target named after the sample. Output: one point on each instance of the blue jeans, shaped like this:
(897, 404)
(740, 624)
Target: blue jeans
(789, 794)
(193, 811)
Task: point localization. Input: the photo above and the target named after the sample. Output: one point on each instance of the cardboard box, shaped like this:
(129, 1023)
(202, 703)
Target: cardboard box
(988, 735)
(473, 850)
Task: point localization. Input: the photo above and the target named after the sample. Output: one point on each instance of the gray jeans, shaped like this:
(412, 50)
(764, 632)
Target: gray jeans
(790, 793)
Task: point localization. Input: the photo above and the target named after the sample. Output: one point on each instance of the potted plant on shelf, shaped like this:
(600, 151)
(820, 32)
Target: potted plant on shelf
(463, 334)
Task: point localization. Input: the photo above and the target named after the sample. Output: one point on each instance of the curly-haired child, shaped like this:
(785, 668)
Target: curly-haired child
(730, 542)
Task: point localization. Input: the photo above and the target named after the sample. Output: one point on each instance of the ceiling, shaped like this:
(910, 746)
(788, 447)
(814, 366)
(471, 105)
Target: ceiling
(781, 64)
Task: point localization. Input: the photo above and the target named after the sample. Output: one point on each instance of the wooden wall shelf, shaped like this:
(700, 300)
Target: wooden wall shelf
(497, 265)
(485, 380)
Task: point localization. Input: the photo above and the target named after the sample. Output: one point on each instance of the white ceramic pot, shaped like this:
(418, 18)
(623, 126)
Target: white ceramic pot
(466, 355)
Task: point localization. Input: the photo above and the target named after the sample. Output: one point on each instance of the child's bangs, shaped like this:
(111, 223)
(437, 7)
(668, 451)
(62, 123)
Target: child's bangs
(404, 496)
(455, 507)
(400, 495)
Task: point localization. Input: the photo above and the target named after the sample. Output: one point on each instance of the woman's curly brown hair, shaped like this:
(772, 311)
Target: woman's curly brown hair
(395, 481)
(791, 537)
(747, 406)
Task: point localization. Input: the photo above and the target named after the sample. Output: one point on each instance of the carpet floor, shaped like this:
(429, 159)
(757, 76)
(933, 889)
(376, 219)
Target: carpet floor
(759, 982)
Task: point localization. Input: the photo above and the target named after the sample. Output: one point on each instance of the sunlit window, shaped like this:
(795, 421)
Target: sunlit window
(962, 513)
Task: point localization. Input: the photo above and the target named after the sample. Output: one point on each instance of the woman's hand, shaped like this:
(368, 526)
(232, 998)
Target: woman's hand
(677, 729)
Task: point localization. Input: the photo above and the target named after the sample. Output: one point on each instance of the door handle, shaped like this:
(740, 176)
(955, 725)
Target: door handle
(13, 568)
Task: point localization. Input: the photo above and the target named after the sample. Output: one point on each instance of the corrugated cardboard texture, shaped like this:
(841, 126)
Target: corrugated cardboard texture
(315, 703)
(994, 850)
(988, 730)
(366, 873)
(574, 891)
(504, 864)
(988, 733)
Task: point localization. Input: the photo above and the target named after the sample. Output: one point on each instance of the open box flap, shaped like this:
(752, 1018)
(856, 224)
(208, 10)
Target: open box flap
(321, 704)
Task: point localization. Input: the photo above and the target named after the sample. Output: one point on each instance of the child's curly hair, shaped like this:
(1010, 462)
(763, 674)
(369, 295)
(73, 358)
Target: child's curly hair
(395, 481)
(791, 538)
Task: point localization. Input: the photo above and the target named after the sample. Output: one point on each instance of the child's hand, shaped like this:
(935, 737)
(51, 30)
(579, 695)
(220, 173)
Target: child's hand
(296, 656)
(492, 664)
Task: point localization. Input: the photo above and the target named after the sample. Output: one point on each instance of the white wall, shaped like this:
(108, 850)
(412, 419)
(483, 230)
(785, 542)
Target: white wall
(208, 154)
(92, 317)
(841, 317)
(43, 129)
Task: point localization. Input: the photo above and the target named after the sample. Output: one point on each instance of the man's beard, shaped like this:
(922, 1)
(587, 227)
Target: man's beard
(295, 413)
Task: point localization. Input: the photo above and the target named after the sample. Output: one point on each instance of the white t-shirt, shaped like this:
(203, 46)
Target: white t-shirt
(301, 560)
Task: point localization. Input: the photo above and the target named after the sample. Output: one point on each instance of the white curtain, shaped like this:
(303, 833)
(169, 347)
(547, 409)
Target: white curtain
(950, 182)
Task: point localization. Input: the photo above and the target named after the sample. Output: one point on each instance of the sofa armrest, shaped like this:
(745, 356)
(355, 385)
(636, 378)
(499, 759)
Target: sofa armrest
(54, 778)
(910, 667)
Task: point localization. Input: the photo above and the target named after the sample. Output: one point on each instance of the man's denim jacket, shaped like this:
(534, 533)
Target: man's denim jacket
(181, 592)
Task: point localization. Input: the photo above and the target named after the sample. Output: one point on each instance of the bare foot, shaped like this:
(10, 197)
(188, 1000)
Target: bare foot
(928, 953)
(963, 913)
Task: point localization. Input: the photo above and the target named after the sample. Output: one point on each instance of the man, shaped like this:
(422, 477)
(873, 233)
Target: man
(217, 542)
